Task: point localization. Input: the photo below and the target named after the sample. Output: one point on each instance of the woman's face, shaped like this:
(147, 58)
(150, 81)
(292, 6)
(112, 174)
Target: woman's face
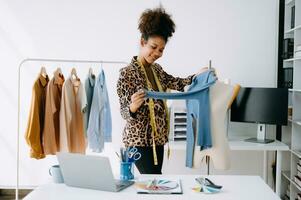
(152, 49)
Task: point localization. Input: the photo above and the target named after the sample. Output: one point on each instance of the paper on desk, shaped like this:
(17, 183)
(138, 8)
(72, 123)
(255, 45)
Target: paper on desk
(158, 186)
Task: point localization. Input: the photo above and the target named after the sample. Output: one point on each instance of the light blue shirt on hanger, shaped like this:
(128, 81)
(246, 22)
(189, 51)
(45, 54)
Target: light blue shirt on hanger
(100, 121)
(198, 112)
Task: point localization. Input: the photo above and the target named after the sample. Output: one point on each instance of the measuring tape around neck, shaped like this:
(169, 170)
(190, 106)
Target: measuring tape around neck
(152, 111)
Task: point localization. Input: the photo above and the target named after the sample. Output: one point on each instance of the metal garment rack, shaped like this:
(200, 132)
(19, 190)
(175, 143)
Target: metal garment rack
(19, 82)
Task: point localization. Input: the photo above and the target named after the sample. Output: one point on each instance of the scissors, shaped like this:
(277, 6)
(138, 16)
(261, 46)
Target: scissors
(133, 154)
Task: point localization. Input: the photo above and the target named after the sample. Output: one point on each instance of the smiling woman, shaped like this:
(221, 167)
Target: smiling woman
(240, 37)
(147, 119)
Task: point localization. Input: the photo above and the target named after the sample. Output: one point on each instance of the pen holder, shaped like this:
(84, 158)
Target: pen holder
(126, 171)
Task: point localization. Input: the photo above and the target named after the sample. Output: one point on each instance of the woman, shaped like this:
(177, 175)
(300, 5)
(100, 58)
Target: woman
(147, 119)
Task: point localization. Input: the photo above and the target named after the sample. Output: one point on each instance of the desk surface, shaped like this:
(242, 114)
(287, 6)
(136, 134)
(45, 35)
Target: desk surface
(234, 188)
(240, 144)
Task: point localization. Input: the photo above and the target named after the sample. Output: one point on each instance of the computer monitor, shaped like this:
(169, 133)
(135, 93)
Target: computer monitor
(262, 106)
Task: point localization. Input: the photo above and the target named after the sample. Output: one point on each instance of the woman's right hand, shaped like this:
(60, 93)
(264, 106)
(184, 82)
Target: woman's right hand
(137, 100)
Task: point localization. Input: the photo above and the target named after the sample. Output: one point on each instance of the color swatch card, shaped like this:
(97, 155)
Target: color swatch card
(158, 186)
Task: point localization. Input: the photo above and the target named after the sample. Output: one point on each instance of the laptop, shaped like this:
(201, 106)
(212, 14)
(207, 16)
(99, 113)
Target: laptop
(92, 172)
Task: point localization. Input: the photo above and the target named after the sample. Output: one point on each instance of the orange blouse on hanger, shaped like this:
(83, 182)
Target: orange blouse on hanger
(35, 124)
(51, 133)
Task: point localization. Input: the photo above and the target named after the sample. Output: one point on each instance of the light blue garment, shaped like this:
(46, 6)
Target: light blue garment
(198, 108)
(100, 122)
(89, 87)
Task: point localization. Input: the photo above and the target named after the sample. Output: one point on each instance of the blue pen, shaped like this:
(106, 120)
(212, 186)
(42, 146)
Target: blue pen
(125, 155)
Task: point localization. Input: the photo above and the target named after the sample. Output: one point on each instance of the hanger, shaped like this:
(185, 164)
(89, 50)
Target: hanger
(58, 71)
(43, 72)
(73, 73)
(90, 71)
(91, 74)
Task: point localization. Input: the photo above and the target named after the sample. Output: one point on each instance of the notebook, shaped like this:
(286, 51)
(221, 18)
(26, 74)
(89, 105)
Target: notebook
(158, 186)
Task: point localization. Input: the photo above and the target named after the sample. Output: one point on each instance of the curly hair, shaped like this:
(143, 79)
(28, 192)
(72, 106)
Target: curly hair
(156, 22)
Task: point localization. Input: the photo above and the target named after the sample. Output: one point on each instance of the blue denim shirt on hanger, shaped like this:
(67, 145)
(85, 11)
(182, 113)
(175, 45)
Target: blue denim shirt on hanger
(100, 122)
(197, 102)
(89, 87)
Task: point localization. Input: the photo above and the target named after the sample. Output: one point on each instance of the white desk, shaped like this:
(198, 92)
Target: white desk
(238, 144)
(279, 147)
(234, 188)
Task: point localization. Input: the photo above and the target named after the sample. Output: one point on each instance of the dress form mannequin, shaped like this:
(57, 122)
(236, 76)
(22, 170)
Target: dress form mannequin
(221, 97)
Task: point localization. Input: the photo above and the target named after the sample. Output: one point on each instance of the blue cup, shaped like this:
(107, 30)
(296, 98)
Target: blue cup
(126, 171)
(56, 173)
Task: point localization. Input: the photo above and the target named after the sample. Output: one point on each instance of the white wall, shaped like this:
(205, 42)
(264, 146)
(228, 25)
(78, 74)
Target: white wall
(238, 35)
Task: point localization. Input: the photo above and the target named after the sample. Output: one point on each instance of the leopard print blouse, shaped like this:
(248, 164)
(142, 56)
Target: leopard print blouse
(138, 130)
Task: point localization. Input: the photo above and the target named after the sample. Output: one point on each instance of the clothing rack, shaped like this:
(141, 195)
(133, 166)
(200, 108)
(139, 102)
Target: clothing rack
(19, 82)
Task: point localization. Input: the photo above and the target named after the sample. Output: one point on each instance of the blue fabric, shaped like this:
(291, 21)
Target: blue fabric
(100, 121)
(89, 87)
(197, 102)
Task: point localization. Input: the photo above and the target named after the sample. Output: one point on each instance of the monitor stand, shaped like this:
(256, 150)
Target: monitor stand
(261, 132)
